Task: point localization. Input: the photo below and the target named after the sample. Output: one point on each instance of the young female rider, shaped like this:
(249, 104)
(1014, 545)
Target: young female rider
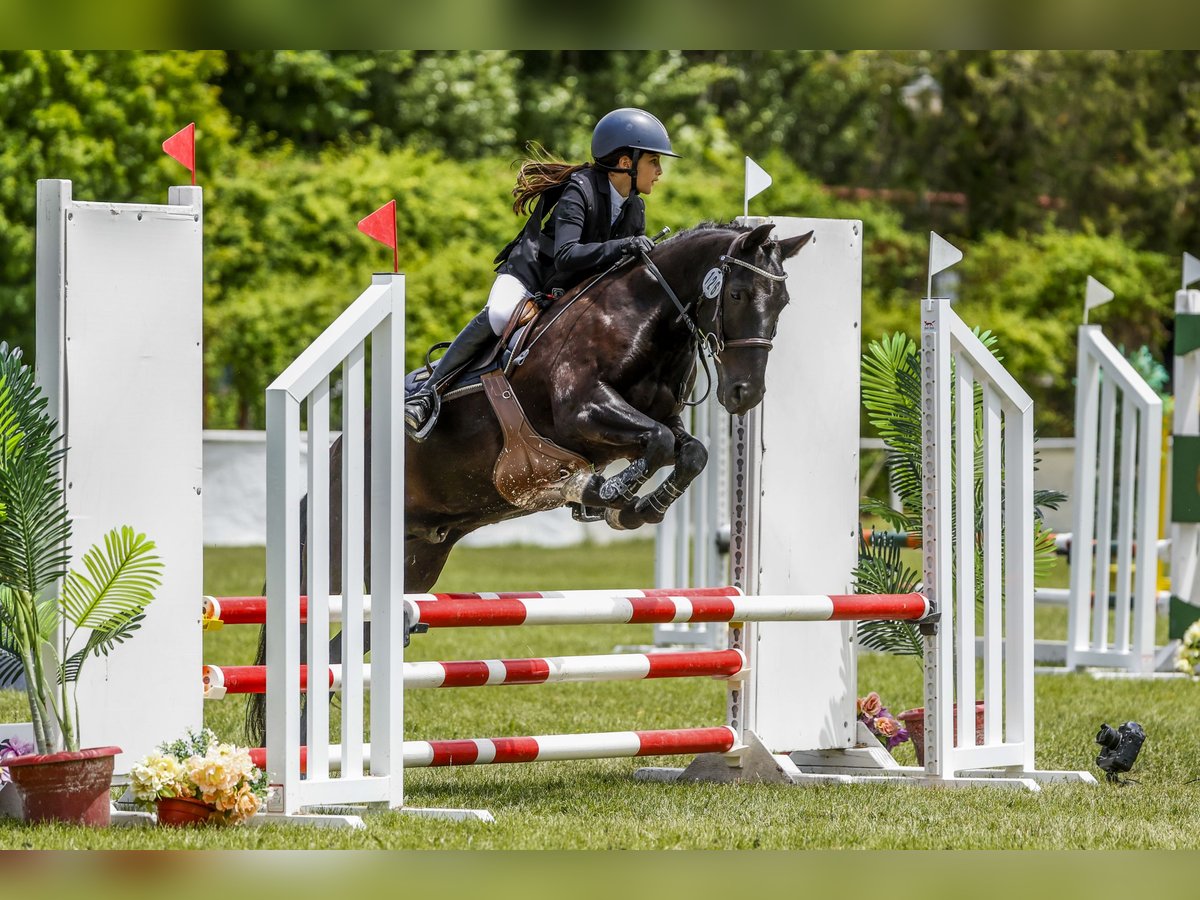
(598, 218)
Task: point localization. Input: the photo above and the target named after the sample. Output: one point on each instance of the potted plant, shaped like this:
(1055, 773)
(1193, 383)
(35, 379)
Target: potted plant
(52, 620)
(196, 780)
(891, 390)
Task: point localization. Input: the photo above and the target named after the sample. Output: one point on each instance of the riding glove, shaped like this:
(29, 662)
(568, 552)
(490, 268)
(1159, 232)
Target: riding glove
(636, 244)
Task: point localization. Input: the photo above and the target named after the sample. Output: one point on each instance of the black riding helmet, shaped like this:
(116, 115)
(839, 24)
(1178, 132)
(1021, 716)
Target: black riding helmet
(633, 128)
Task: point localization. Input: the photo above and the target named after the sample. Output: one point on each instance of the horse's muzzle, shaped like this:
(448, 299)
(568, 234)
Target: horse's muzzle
(739, 397)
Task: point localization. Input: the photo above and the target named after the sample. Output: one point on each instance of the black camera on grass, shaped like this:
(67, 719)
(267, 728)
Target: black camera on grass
(1119, 748)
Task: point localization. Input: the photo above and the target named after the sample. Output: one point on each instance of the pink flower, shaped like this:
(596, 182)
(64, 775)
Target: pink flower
(870, 705)
(886, 727)
(12, 747)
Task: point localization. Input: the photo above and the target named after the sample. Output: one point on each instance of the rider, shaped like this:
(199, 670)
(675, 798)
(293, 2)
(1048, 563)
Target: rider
(598, 217)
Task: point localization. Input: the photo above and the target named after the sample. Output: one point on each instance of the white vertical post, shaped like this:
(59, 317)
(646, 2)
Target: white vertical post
(353, 473)
(964, 404)
(993, 583)
(1086, 418)
(318, 579)
(387, 545)
(937, 555)
(1104, 534)
(1148, 498)
(283, 594)
(1123, 599)
(1018, 579)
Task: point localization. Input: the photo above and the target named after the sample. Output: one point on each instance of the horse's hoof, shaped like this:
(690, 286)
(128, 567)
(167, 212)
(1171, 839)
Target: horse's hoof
(646, 511)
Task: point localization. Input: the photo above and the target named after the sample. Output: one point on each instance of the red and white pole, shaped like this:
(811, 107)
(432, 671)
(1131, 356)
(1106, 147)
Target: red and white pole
(546, 748)
(222, 680)
(676, 608)
(253, 610)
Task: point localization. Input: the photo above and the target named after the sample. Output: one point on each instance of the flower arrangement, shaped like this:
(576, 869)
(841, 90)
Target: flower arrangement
(879, 719)
(197, 767)
(1187, 659)
(11, 746)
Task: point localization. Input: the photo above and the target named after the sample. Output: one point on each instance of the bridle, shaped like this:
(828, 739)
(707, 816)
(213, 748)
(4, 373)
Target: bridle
(713, 342)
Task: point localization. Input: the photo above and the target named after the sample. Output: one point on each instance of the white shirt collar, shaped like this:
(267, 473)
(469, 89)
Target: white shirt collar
(617, 202)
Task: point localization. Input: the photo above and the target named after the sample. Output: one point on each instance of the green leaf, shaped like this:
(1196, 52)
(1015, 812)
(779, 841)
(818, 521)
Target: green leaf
(99, 643)
(880, 571)
(34, 530)
(120, 582)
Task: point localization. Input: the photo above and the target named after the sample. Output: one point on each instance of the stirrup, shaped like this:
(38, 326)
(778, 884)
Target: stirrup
(420, 434)
(581, 513)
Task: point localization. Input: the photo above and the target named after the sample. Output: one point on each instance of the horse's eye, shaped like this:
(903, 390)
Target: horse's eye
(735, 296)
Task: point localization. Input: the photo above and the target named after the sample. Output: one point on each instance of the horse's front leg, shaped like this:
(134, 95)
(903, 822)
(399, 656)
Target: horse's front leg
(691, 457)
(606, 426)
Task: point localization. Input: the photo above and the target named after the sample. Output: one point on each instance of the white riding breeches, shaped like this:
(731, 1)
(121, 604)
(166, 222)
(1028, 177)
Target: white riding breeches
(507, 294)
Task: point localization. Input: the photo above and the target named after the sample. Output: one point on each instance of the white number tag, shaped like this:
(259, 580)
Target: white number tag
(713, 282)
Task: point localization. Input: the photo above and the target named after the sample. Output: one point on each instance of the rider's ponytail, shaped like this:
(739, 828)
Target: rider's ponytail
(538, 173)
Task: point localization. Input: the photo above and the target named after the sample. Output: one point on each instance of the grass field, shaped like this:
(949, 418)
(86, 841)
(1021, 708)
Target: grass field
(598, 805)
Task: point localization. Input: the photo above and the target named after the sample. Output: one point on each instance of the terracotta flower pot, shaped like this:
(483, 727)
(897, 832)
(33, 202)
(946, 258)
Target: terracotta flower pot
(71, 786)
(914, 721)
(180, 811)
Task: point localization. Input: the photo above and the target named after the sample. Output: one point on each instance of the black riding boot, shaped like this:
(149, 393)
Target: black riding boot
(420, 410)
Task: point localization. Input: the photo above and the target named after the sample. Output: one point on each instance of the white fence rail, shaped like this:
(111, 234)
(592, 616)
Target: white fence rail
(1116, 508)
(375, 318)
(1003, 444)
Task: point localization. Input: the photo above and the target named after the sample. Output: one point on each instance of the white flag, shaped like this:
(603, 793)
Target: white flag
(942, 255)
(1096, 295)
(1191, 269)
(757, 181)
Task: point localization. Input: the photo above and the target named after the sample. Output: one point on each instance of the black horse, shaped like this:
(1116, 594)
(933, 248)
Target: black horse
(605, 376)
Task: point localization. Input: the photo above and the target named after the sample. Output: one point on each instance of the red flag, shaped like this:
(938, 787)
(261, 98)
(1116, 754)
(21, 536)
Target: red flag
(181, 146)
(381, 225)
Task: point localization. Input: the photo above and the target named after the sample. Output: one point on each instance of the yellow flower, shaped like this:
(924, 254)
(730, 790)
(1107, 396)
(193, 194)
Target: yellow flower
(157, 776)
(246, 804)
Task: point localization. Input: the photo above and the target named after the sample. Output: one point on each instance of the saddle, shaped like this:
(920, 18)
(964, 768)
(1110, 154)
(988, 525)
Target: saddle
(531, 470)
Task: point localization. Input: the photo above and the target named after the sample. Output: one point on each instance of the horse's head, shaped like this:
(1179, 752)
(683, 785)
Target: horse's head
(746, 314)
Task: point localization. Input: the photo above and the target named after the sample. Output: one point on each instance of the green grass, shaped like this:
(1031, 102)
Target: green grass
(598, 805)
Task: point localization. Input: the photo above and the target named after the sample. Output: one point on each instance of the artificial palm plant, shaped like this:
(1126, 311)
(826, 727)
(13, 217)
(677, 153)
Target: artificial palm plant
(891, 391)
(52, 620)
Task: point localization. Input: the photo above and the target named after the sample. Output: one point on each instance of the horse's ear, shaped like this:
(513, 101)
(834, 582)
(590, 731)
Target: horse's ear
(789, 247)
(755, 237)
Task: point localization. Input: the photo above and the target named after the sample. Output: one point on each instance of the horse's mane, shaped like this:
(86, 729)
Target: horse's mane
(622, 271)
(711, 226)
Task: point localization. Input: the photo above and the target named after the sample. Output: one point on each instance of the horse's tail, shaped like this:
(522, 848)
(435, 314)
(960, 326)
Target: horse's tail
(255, 726)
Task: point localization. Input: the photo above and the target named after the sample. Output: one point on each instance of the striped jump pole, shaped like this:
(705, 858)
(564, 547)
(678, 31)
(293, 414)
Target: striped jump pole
(218, 611)
(605, 609)
(222, 680)
(602, 606)
(546, 748)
